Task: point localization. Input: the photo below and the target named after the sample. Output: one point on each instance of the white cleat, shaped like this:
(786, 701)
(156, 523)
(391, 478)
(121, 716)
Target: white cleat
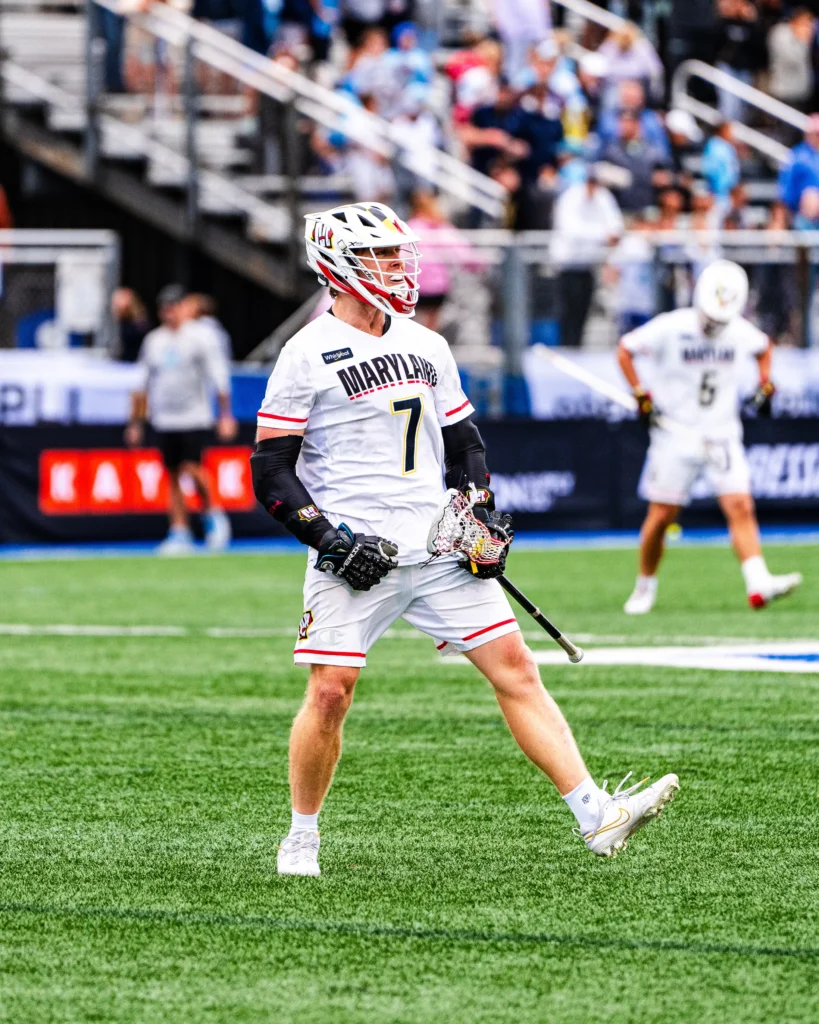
(626, 811)
(178, 542)
(298, 854)
(217, 531)
(777, 586)
(642, 599)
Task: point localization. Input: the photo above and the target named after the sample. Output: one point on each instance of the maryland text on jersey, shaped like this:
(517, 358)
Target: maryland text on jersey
(699, 353)
(386, 371)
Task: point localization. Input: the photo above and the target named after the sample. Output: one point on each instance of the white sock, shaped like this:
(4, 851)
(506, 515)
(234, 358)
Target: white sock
(584, 802)
(304, 822)
(647, 583)
(755, 573)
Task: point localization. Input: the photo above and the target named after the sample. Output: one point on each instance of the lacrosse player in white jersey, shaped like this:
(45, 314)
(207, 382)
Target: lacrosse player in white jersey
(363, 421)
(696, 356)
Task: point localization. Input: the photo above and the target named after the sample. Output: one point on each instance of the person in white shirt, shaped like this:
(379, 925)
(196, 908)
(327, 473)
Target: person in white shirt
(587, 221)
(363, 426)
(183, 367)
(695, 358)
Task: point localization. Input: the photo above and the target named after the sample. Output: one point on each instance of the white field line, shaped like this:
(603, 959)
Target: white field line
(400, 633)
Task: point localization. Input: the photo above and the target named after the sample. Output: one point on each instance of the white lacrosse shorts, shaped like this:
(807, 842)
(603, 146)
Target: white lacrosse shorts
(674, 463)
(458, 611)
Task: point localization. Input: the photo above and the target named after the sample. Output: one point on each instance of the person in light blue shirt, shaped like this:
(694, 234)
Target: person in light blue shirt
(720, 163)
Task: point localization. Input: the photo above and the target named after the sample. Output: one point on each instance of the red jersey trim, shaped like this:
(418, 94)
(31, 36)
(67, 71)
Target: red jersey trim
(486, 629)
(287, 419)
(453, 411)
(335, 654)
(440, 647)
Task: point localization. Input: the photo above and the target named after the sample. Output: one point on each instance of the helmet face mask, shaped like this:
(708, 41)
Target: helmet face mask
(366, 251)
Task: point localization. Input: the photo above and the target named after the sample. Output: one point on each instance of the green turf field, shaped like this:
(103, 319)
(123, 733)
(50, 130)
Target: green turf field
(144, 792)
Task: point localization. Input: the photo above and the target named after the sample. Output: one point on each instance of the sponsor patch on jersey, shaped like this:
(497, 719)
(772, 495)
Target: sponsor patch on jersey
(308, 513)
(304, 625)
(337, 355)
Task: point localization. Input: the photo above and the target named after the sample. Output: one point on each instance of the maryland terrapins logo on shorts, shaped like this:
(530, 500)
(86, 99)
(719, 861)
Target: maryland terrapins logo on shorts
(305, 624)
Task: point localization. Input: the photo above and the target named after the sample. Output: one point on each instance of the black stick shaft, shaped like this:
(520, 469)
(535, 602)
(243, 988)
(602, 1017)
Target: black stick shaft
(575, 653)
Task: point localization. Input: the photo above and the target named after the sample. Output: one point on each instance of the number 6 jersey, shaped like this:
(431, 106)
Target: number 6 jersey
(371, 410)
(695, 379)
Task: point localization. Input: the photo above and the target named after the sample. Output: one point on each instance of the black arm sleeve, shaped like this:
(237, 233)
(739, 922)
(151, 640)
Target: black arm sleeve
(466, 459)
(276, 486)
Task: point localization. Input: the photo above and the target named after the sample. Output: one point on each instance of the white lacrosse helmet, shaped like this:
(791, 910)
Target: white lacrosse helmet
(338, 238)
(721, 291)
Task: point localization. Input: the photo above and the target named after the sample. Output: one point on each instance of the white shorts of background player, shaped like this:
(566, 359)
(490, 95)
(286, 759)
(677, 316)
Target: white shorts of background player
(674, 463)
(458, 611)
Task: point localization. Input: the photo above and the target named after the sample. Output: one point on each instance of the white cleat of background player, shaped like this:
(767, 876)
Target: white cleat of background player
(643, 597)
(626, 811)
(298, 854)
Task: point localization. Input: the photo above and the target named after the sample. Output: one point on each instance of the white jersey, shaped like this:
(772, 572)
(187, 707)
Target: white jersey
(182, 371)
(372, 411)
(694, 379)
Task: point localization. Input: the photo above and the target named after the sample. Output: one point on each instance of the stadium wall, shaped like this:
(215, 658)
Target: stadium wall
(78, 483)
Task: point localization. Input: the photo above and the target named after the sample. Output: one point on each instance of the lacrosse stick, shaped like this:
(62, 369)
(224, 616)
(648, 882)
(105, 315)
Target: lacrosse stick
(610, 391)
(455, 530)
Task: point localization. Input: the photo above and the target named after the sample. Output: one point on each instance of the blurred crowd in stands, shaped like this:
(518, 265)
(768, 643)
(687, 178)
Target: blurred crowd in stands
(575, 121)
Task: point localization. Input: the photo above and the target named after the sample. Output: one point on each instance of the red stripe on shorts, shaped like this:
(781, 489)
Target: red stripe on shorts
(488, 628)
(339, 654)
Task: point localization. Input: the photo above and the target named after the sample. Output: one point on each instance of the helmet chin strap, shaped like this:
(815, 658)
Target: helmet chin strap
(711, 328)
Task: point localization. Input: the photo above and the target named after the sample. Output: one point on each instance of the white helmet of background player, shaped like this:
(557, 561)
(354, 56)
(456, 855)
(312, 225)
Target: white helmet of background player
(721, 293)
(337, 239)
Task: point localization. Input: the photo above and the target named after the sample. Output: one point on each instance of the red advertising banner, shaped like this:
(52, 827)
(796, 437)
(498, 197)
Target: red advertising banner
(102, 481)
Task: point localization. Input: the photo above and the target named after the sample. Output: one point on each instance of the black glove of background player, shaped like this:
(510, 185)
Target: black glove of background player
(645, 406)
(500, 526)
(761, 400)
(359, 560)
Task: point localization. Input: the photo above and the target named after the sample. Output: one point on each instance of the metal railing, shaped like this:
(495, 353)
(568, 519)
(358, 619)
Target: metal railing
(336, 112)
(768, 147)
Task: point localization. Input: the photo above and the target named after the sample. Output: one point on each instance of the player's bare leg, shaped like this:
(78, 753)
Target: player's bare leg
(216, 523)
(760, 584)
(652, 547)
(179, 540)
(534, 719)
(605, 822)
(315, 747)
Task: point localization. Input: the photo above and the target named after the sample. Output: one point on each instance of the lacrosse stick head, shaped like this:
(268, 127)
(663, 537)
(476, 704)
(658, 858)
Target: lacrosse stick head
(455, 530)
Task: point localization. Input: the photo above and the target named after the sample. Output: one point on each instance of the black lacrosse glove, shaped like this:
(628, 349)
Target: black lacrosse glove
(762, 397)
(645, 406)
(500, 526)
(359, 560)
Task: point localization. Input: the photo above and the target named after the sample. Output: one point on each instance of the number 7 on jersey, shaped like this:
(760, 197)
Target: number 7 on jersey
(413, 408)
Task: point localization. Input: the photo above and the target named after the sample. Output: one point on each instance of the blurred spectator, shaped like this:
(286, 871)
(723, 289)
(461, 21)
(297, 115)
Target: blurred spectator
(631, 96)
(670, 203)
(418, 131)
(775, 285)
(405, 66)
(358, 16)
(202, 309)
(740, 50)
(492, 131)
(629, 55)
(475, 74)
(646, 164)
(631, 269)
(738, 211)
(182, 367)
(552, 77)
(807, 218)
(445, 249)
(685, 137)
(583, 108)
(366, 70)
(520, 24)
(720, 163)
(587, 220)
(131, 316)
(802, 171)
(111, 27)
(789, 47)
